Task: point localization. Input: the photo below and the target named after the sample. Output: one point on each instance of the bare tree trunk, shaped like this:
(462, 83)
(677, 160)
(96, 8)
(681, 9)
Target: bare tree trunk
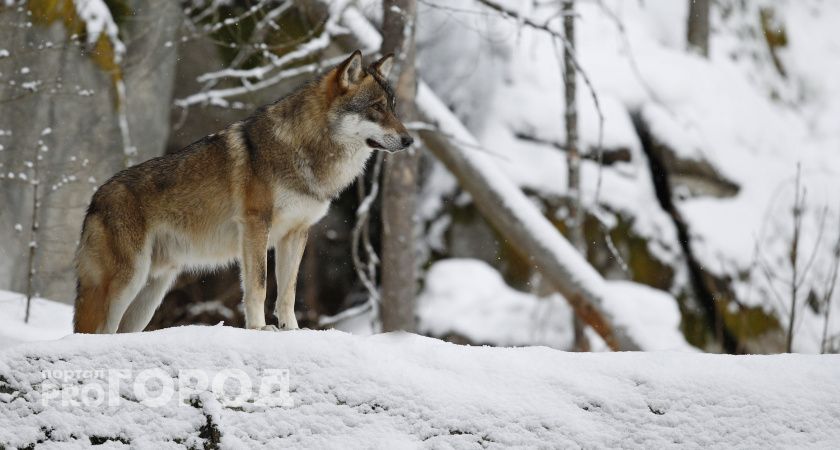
(698, 26)
(793, 256)
(399, 191)
(33, 240)
(576, 212)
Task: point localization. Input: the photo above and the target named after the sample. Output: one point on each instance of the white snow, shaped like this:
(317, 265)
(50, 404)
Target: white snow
(399, 390)
(650, 315)
(98, 19)
(468, 298)
(48, 320)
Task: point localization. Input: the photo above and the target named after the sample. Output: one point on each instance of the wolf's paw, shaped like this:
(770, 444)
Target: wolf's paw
(286, 325)
(270, 328)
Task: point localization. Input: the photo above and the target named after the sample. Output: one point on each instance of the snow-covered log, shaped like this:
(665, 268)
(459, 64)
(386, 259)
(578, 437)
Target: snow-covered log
(402, 391)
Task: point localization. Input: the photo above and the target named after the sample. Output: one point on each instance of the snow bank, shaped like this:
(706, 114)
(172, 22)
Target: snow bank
(468, 298)
(651, 316)
(399, 390)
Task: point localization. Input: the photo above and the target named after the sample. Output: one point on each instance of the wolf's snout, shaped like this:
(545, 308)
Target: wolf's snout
(392, 142)
(406, 140)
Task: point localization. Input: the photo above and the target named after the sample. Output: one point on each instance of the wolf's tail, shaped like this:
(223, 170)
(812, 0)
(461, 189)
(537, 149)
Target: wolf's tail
(91, 307)
(93, 279)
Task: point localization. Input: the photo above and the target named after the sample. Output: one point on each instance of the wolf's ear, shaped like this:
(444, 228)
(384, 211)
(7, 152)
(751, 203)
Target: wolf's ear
(350, 71)
(384, 65)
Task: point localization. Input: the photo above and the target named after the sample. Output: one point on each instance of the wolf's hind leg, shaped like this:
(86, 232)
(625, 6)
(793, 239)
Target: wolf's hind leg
(105, 289)
(288, 254)
(141, 310)
(129, 282)
(253, 270)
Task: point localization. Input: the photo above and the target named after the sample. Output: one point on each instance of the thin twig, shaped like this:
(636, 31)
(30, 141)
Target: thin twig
(361, 236)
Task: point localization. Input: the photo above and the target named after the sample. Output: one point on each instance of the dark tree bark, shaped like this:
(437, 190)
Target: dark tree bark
(698, 26)
(399, 191)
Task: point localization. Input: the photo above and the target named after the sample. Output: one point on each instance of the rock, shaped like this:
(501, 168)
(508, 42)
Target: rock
(69, 122)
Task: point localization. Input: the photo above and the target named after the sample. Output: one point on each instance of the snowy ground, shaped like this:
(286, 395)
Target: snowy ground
(399, 390)
(48, 319)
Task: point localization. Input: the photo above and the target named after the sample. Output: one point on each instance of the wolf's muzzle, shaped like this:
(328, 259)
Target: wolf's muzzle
(406, 141)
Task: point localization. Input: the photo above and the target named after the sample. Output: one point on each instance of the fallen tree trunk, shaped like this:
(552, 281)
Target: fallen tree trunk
(507, 208)
(518, 220)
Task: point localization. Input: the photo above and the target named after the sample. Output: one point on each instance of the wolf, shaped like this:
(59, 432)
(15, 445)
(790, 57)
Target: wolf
(230, 197)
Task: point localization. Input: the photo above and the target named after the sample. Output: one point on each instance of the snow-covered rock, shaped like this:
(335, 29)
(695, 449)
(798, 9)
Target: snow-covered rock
(401, 390)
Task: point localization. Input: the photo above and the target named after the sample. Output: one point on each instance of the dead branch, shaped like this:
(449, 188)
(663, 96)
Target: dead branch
(366, 271)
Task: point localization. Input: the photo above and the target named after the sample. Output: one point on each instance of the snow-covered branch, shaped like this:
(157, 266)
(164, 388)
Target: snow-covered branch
(220, 97)
(277, 67)
(306, 50)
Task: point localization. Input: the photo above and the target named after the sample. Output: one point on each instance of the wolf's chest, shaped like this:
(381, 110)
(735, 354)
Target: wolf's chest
(294, 211)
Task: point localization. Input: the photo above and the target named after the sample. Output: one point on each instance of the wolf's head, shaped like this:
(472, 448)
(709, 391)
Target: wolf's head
(362, 109)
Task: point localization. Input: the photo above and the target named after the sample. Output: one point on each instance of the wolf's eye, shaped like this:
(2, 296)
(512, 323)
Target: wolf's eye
(379, 107)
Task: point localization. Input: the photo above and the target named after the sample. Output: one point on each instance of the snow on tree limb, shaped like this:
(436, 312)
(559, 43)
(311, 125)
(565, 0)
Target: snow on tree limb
(98, 20)
(307, 49)
(219, 97)
(277, 68)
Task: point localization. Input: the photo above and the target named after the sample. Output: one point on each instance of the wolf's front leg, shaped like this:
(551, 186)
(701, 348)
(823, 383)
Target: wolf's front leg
(253, 270)
(288, 253)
